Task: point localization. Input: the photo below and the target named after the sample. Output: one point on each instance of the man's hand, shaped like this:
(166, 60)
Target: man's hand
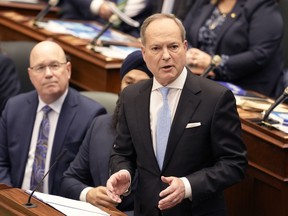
(105, 11)
(198, 60)
(118, 184)
(98, 197)
(173, 194)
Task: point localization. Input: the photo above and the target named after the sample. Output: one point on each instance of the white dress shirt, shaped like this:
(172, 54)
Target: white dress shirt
(156, 103)
(53, 116)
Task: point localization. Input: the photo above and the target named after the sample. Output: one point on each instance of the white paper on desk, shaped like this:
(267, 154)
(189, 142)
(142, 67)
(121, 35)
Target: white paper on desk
(118, 52)
(69, 207)
(84, 30)
(281, 127)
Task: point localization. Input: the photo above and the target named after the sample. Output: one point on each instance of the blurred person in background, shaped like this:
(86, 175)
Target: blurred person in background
(179, 8)
(86, 176)
(246, 35)
(9, 80)
(99, 10)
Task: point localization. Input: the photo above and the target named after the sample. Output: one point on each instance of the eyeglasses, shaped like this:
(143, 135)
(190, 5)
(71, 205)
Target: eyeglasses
(54, 66)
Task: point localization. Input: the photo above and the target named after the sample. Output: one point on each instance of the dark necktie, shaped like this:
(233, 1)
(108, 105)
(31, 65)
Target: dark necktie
(41, 151)
(163, 127)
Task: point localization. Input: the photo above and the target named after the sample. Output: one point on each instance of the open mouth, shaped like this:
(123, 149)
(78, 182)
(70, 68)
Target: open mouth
(167, 67)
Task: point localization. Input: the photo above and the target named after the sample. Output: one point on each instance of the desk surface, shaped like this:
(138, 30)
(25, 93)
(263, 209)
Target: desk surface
(13, 199)
(90, 70)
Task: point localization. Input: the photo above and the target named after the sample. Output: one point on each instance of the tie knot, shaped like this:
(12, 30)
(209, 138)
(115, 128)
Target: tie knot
(164, 91)
(46, 109)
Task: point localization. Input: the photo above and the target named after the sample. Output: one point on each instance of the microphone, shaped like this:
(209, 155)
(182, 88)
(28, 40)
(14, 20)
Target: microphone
(29, 204)
(279, 100)
(114, 18)
(216, 60)
(44, 11)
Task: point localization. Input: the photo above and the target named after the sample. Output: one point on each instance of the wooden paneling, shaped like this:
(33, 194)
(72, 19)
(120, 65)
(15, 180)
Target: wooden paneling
(90, 70)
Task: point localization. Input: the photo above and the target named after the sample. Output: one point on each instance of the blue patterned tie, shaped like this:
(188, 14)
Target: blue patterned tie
(163, 127)
(41, 150)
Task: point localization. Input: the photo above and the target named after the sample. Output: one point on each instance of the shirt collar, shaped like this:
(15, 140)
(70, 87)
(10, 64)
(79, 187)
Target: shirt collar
(176, 84)
(56, 105)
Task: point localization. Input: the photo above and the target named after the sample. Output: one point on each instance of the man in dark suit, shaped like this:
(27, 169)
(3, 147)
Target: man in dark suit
(246, 34)
(70, 116)
(203, 154)
(86, 177)
(180, 8)
(9, 80)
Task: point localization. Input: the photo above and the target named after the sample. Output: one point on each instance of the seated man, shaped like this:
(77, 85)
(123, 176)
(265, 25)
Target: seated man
(35, 127)
(86, 176)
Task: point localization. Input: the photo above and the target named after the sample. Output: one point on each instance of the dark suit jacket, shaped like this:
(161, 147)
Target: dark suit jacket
(9, 80)
(80, 10)
(252, 41)
(180, 8)
(211, 156)
(90, 167)
(16, 127)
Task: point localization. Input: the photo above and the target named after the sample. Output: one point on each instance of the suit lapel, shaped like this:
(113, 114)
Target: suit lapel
(188, 103)
(230, 19)
(67, 113)
(26, 134)
(202, 15)
(142, 101)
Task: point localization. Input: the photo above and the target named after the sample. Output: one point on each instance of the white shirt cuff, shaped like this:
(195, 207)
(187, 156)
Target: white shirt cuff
(95, 6)
(84, 193)
(188, 189)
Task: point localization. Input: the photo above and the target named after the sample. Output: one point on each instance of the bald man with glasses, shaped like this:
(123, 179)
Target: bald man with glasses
(37, 126)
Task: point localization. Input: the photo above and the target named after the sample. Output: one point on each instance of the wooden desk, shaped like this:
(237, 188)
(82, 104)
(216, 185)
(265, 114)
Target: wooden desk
(90, 70)
(28, 9)
(264, 191)
(12, 204)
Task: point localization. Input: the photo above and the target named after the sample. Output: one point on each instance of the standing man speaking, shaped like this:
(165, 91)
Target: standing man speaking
(180, 131)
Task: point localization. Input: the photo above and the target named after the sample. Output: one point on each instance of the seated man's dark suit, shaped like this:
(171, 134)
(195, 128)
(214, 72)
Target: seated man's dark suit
(90, 167)
(16, 127)
(9, 80)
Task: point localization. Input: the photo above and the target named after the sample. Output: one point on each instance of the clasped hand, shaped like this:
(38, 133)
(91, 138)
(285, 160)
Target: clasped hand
(197, 60)
(119, 183)
(98, 197)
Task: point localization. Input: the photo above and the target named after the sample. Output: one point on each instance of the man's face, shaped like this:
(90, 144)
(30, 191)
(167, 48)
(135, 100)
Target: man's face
(164, 51)
(50, 73)
(133, 76)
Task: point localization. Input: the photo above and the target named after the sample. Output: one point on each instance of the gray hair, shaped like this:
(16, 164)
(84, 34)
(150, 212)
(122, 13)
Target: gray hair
(161, 16)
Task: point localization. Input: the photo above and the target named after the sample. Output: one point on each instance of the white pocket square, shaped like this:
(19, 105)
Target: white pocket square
(193, 124)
